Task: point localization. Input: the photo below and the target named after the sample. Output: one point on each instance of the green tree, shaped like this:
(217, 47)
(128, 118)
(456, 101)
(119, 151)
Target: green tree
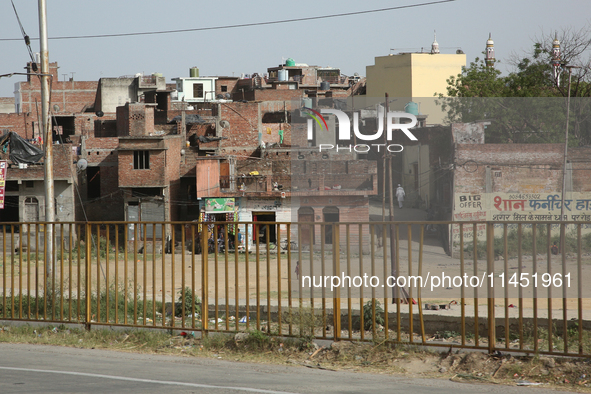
(527, 105)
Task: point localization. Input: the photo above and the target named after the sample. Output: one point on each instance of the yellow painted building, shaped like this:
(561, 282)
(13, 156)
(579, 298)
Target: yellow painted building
(414, 76)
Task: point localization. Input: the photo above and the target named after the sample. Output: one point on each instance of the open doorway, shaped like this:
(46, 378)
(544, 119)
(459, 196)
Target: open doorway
(306, 214)
(63, 128)
(260, 231)
(331, 215)
(10, 211)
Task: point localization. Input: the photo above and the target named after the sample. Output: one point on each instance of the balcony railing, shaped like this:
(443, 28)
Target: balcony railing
(246, 184)
(297, 183)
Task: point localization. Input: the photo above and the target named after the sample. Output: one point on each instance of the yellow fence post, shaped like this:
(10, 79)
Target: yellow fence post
(88, 277)
(490, 260)
(336, 258)
(204, 277)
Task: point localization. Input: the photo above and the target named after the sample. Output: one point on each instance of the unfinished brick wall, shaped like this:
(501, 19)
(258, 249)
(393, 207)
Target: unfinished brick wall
(243, 128)
(229, 83)
(580, 159)
(70, 96)
(172, 174)
(277, 94)
(135, 119)
(524, 168)
(62, 166)
(350, 208)
(152, 177)
(102, 153)
(22, 124)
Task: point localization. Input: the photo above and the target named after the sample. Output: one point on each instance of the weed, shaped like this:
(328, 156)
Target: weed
(368, 314)
(190, 303)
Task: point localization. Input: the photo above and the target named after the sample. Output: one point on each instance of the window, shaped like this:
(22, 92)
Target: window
(29, 184)
(224, 88)
(141, 160)
(197, 90)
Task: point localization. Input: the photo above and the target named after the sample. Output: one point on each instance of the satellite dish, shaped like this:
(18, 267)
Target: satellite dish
(82, 164)
(56, 108)
(224, 123)
(228, 95)
(100, 113)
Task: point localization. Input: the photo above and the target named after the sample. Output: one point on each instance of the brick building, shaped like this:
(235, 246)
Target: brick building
(516, 182)
(134, 154)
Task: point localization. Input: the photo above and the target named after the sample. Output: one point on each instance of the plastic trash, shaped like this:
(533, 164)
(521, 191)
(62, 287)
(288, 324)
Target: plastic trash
(243, 319)
(526, 383)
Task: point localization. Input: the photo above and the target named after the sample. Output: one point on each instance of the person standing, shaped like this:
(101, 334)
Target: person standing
(400, 195)
(240, 238)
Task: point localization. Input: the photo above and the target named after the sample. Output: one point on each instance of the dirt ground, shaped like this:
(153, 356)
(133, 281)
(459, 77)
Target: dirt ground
(568, 374)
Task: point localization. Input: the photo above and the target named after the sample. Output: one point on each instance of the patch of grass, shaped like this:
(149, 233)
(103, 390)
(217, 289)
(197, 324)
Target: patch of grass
(57, 304)
(305, 320)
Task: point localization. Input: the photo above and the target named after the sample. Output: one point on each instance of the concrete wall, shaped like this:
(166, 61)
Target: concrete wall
(6, 105)
(418, 76)
(518, 182)
(115, 92)
(185, 89)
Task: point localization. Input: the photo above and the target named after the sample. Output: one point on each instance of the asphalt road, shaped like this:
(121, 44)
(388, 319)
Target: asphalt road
(48, 369)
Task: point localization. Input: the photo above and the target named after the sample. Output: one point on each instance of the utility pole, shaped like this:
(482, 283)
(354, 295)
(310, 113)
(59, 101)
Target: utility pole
(570, 68)
(563, 226)
(47, 136)
(385, 158)
(395, 290)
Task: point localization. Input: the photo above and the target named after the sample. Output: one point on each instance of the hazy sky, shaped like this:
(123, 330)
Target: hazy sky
(350, 42)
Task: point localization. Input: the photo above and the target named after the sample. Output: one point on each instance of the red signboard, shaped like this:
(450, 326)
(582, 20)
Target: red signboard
(3, 166)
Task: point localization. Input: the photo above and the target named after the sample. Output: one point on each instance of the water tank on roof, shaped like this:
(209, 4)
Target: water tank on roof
(412, 108)
(290, 62)
(324, 85)
(282, 75)
(157, 75)
(194, 72)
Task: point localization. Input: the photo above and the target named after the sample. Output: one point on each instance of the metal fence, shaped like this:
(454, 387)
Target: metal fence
(280, 278)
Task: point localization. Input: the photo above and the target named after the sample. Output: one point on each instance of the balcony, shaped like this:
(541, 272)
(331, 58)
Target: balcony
(300, 185)
(245, 184)
(333, 184)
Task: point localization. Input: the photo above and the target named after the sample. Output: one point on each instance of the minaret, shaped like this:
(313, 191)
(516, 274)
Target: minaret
(490, 51)
(435, 45)
(556, 67)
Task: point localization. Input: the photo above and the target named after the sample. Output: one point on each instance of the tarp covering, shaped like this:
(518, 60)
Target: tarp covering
(21, 151)
(189, 119)
(205, 139)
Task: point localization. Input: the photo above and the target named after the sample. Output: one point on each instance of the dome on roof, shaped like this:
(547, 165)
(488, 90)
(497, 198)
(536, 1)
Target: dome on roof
(556, 43)
(435, 45)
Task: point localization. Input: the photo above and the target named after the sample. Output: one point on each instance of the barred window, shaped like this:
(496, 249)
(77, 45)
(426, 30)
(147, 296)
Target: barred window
(141, 160)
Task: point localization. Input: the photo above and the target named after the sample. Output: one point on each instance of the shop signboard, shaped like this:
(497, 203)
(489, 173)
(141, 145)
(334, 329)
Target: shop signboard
(219, 205)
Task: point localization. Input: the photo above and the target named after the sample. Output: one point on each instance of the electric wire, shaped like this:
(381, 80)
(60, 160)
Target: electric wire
(25, 36)
(241, 25)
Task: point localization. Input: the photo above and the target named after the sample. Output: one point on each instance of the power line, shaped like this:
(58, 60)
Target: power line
(310, 18)
(25, 36)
